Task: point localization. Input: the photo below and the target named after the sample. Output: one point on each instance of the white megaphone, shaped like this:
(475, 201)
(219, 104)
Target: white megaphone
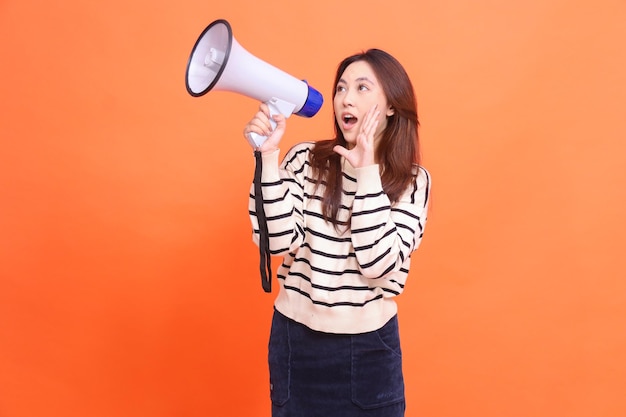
(218, 62)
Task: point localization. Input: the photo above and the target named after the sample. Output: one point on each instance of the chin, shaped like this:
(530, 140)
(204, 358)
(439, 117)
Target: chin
(349, 138)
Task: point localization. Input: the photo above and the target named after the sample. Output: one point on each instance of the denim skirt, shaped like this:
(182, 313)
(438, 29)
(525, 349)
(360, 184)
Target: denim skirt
(316, 374)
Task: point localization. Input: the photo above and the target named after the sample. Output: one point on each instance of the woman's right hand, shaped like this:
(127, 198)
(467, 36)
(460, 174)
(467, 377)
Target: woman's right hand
(260, 124)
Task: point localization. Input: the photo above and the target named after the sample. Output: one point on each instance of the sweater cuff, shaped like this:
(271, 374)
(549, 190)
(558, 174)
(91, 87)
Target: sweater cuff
(270, 166)
(368, 179)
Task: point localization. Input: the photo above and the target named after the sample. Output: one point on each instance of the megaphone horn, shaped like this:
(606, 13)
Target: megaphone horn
(218, 62)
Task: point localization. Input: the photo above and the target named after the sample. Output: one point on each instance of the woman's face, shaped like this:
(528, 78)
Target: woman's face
(357, 91)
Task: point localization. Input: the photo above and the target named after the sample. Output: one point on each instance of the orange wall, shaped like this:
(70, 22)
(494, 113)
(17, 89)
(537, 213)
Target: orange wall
(129, 285)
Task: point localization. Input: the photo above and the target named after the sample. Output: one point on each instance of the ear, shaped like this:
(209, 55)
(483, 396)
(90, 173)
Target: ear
(390, 111)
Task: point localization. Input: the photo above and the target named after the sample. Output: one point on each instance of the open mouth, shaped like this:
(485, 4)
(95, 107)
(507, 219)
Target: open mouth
(349, 120)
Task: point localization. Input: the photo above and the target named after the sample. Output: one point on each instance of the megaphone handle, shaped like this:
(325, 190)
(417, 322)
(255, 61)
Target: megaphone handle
(257, 140)
(276, 106)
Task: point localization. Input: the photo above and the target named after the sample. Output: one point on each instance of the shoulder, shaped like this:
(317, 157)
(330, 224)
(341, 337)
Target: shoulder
(298, 153)
(422, 176)
(421, 185)
(301, 147)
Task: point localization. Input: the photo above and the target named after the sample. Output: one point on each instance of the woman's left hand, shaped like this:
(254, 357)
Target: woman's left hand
(363, 152)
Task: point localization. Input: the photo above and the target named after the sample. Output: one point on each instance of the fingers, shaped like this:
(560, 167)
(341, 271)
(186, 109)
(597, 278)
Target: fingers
(260, 123)
(371, 121)
(273, 139)
(371, 130)
(341, 150)
(281, 121)
(368, 129)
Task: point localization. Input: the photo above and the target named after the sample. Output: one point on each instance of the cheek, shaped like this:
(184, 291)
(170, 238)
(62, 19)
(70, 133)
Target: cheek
(336, 101)
(383, 125)
(336, 109)
(382, 122)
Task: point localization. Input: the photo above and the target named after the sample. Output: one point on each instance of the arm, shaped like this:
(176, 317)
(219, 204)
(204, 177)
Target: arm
(384, 236)
(283, 196)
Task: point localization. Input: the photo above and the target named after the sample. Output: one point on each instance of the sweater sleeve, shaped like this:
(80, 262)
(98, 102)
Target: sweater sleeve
(282, 201)
(385, 235)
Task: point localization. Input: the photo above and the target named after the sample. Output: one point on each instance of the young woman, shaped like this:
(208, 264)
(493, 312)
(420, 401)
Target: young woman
(345, 214)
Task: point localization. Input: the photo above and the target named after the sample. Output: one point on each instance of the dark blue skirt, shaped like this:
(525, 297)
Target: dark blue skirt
(321, 374)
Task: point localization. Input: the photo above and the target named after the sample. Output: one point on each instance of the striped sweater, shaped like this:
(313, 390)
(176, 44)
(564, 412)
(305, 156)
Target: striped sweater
(339, 280)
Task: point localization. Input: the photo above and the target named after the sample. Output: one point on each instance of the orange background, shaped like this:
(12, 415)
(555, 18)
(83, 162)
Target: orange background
(129, 283)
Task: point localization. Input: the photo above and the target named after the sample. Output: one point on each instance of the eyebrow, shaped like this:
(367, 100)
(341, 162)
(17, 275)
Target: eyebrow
(341, 80)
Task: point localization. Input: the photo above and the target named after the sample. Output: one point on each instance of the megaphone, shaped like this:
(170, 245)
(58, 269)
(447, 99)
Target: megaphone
(218, 62)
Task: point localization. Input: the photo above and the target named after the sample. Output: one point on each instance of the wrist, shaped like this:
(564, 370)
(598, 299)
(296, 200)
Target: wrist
(269, 151)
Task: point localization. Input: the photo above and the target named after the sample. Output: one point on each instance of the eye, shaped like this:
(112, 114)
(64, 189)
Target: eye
(363, 87)
(340, 89)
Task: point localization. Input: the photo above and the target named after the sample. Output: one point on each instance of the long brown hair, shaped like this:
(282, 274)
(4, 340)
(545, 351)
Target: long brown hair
(398, 149)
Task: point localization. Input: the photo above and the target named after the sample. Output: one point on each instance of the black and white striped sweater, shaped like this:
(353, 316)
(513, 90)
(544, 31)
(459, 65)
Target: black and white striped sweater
(339, 280)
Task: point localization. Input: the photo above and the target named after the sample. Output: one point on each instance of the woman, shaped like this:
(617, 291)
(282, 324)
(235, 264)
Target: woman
(345, 214)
